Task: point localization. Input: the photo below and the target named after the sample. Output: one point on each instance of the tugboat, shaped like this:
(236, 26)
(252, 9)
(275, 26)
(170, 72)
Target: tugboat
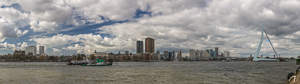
(98, 63)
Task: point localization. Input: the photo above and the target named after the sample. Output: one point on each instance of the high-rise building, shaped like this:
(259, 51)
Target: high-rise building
(217, 51)
(170, 56)
(207, 51)
(41, 50)
(226, 54)
(206, 54)
(197, 53)
(139, 47)
(31, 50)
(173, 55)
(192, 53)
(201, 53)
(158, 55)
(149, 45)
(166, 54)
(212, 53)
(179, 54)
(157, 52)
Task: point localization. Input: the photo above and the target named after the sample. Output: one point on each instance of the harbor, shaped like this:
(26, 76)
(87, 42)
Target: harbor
(149, 42)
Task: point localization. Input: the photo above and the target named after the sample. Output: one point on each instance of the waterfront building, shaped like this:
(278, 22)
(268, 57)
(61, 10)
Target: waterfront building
(139, 47)
(162, 57)
(166, 54)
(110, 55)
(19, 52)
(226, 54)
(197, 53)
(173, 55)
(192, 53)
(148, 56)
(211, 53)
(206, 54)
(126, 52)
(41, 50)
(207, 51)
(101, 55)
(149, 45)
(135, 57)
(217, 51)
(201, 53)
(170, 56)
(157, 52)
(179, 55)
(31, 50)
(157, 55)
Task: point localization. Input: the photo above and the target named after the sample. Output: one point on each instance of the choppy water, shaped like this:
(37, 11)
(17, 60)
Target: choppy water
(208, 72)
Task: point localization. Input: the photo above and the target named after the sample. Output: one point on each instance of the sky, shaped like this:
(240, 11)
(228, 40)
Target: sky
(83, 26)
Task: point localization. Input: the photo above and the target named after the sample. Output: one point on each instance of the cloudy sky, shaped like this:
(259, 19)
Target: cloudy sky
(81, 26)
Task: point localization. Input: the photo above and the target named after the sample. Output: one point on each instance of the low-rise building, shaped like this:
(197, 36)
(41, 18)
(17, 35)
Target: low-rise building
(101, 55)
(19, 52)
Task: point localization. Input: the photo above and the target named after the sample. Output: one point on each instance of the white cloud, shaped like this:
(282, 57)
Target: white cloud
(56, 50)
(23, 46)
(232, 25)
(43, 26)
(228, 26)
(9, 46)
(25, 32)
(87, 43)
(6, 45)
(44, 10)
(114, 10)
(10, 21)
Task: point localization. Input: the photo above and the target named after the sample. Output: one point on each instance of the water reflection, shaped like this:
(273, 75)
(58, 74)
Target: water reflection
(148, 72)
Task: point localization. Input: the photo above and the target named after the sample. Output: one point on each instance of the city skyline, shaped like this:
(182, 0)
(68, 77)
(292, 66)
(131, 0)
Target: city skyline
(112, 26)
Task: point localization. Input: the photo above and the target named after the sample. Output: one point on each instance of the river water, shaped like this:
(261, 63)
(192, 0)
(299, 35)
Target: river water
(208, 72)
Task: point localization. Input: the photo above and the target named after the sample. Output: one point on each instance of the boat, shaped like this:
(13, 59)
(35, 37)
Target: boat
(77, 62)
(98, 63)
